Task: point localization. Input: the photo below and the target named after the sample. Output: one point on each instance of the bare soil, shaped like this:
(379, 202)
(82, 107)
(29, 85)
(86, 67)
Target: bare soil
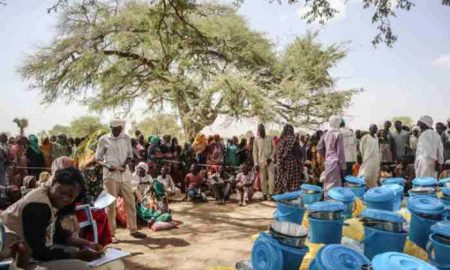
(211, 236)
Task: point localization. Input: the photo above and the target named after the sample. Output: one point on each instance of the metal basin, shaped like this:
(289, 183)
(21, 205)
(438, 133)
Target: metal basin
(442, 239)
(326, 215)
(383, 225)
(288, 233)
(297, 202)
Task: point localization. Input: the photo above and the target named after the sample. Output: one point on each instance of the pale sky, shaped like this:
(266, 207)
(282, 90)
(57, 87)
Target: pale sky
(411, 79)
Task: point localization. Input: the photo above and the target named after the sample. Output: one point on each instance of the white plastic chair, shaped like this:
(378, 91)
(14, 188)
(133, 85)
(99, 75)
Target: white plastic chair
(89, 221)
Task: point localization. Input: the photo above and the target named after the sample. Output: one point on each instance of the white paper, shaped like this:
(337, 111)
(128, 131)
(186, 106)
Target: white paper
(104, 200)
(111, 254)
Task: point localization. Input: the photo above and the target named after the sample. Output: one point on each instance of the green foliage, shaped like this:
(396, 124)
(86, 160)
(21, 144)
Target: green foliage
(406, 120)
(22, 124)
(86, 125)
(59, 129)
(79, 127)
(200, 60)
(162, 124)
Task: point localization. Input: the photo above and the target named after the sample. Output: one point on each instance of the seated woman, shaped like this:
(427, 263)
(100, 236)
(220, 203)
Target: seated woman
(32, 219)
(29, 183)
(244, 186)
(194, 181)
(221, 183)
(142, 181)
(171, 191)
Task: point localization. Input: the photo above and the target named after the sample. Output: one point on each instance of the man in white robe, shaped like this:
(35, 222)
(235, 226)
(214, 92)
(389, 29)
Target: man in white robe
(370, 152)
(430, 151)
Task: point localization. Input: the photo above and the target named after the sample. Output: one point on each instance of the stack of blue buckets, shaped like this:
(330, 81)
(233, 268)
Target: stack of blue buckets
(383, 228)
(428, 184)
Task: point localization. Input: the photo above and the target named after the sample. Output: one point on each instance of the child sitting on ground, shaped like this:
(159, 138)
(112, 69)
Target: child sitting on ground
(244, 186)
(221, 184)
(171, 191)
(194, 181)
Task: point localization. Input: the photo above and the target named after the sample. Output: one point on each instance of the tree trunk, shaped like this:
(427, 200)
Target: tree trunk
(191, 127)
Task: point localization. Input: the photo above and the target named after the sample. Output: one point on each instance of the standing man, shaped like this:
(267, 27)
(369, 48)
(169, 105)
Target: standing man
(263, 155)
(331, 147)
(440, 128)
(430, 152)
(370, 152)
(446, 141)
(401, 139)
(4, 158)
(350, 144)
(389, 154)
(114, 152)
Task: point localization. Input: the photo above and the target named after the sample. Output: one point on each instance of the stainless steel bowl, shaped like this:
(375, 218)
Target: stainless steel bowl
(383, 225)
(442, 239)
(326, 215)
(350, 185)
(288, 233)
(296, 202)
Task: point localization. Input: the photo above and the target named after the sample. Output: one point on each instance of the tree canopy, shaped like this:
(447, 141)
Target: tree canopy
(161, 124)
(200, 60)
(22, 124)
(79, 127)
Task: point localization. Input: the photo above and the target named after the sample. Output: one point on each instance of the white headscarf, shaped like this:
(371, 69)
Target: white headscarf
(118, 123)
(147, 179)
(335, 122)
(427, 120)
(59, 164)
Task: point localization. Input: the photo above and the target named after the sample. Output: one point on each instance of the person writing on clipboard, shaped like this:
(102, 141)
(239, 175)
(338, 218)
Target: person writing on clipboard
(114, 153)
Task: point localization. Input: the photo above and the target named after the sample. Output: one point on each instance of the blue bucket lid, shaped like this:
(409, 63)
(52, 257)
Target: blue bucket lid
(444, 181)
(355, 180)
(396, 188)
(446, 191)
(288, 196)
(311, 187)
(382, 215)
(335, 256)
(395, 180)
(266, 255)
(442, 228)
(327, 206)
(378, 194)
(341, 194)
(425, 181)
(396, 260)
(426, 205)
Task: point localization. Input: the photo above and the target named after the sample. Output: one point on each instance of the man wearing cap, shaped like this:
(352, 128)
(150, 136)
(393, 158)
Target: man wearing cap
(446, 141)
(114, 152)
(429, 153)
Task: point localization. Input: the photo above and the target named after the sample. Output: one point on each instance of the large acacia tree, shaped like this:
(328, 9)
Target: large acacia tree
(202, 60)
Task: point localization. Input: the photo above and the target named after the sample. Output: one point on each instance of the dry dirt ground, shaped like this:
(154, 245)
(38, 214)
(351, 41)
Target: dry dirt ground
(211, 236)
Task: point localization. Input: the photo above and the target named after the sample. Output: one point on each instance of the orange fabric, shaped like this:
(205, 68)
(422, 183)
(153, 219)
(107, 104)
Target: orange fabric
(355, 169)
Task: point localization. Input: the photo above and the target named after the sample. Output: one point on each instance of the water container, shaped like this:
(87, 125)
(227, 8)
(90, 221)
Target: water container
(345, 196)
(399, 261)
(422, 191)
(445, 182)
(398, 192)
(395, 180)
(287, 211)
(288, 196)
(381, 227)
(338, 257)
(356, 184)
(311, 193)
(326, 230)
(425, 212)
(446, 196)
(425, 182)
(438, 248)
(379, 198)
(268, 254)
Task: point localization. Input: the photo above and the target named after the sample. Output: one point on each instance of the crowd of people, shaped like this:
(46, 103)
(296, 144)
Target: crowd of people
(44, 180)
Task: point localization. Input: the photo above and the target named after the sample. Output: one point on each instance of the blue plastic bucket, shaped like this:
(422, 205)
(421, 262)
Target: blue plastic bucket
(395, 180)
(419, 229)
(412, 193)
(398, 192)
(311, 194)
(325, 231)
(378, 241)
(399, 261)
(338, 257)
(379, 198)
(289, 212)
(438, 252)
(268, 254)
(345, 196)
(356, 184)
